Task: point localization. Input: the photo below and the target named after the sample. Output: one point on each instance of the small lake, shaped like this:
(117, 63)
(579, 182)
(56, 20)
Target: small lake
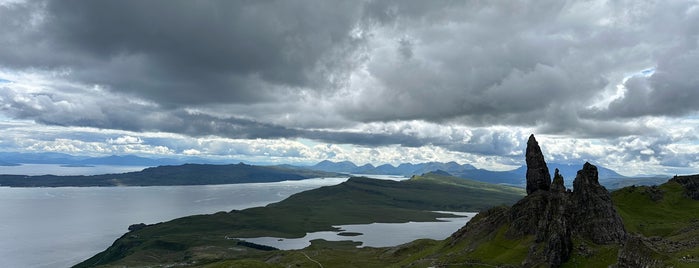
(375, 234)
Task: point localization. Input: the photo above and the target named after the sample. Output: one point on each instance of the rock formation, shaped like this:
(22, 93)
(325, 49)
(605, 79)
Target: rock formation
(593, 211)
(690, 184)
(557, 184)
(554, 215)
(538, 177)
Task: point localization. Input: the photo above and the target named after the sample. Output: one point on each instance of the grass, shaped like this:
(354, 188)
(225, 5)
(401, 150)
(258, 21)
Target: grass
(357, 201)
(601, 255)
(493, 249)
(196, 240)
(655, 218)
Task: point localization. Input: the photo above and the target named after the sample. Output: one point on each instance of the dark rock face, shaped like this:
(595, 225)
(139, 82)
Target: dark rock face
(482, 224)
(538, 177)
(557, 184)
(136, 227)
(636, 253)
(593, 211)
(554, 215)
(690, 184)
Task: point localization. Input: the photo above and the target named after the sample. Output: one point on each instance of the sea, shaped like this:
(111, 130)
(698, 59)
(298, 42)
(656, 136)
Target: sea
(60, 227)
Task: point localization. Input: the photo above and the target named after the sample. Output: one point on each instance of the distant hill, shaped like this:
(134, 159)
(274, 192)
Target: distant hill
(356, 201)
(15, 158)
(609, 178)
(188, 174)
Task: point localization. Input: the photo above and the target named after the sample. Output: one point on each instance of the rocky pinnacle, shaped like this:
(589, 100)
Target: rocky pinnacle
(557, 185)
(538, 176)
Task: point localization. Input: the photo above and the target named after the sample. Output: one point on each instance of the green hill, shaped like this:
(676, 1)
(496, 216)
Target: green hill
(199, 240)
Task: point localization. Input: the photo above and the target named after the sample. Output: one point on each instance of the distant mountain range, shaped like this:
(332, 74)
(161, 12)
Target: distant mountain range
(609, 178)
(405, 169)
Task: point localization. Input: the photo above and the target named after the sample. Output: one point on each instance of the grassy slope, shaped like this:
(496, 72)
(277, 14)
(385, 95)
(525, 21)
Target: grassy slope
(359, 200)
(673, 218)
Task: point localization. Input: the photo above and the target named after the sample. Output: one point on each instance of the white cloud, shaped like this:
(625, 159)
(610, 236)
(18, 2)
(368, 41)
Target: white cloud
(125, 140)
(191, 152)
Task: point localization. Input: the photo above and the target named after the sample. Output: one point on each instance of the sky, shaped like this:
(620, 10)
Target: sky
(610, 82)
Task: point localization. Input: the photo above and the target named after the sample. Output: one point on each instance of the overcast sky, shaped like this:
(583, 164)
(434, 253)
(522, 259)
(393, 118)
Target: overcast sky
(611, 82)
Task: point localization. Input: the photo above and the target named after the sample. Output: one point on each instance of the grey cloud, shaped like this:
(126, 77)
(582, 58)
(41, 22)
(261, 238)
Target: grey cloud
(186, 52)
(98, 110)
(672, 90)
(310, 69)
(539, 64)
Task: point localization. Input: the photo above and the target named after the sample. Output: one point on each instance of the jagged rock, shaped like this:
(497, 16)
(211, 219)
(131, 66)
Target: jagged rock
(538, 177)
(553, 233)
(654, 193)
(636, 253)
(593, 211)
(525, 214)
(483, 224)
(690, 184)
(552, 214)
(136, 227)
(557, 184)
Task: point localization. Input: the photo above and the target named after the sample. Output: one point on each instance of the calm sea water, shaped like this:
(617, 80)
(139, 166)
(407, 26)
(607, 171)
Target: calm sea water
(44, 169)
(59, 227)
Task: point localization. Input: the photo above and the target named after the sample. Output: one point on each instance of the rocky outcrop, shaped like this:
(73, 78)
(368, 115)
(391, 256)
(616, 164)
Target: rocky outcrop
(557, 184)
(690, 184)
(635, 252)
(593, 211)
(554, 215)
(538, 177)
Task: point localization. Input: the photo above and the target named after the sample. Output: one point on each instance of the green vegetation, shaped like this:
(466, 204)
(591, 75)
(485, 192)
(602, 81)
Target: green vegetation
(588, 254)
(188, 174)
(665, 214)
(204, 238)
(671, 212)
(665, 217)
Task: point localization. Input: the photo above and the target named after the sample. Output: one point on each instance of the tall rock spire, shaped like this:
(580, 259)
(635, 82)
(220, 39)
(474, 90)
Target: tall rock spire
(538, 176)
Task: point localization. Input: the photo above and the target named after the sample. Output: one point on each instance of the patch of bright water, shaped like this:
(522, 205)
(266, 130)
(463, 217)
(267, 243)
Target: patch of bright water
(375, 234)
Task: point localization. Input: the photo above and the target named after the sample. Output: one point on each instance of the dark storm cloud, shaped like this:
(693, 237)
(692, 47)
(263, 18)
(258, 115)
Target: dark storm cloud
(539, 63)
(188, 52)
(314, 69)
